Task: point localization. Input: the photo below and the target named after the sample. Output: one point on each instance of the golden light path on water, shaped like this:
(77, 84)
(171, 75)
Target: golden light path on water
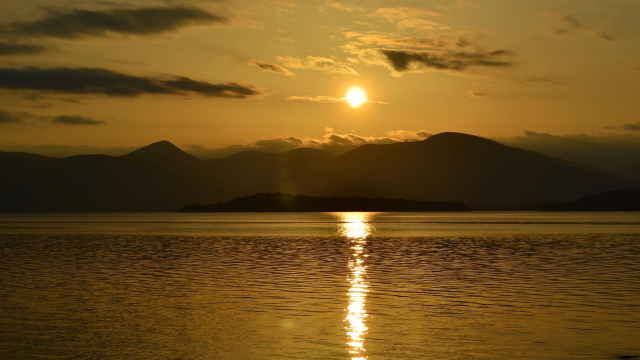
(355, 227)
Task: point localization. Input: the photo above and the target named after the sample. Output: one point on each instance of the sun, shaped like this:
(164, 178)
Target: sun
(356, 97)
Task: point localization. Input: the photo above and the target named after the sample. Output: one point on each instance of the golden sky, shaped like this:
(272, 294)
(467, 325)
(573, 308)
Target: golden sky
(217, 76)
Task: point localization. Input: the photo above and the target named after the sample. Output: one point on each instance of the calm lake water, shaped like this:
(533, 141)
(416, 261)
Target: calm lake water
(320, 286)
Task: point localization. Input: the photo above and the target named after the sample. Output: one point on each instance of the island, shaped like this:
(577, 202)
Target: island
(279, 202)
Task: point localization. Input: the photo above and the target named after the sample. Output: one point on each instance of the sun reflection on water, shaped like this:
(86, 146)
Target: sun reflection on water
(355, 227)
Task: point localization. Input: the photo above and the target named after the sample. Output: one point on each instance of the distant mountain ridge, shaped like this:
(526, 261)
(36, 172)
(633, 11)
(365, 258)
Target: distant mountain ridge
(161, 177)
(279, 202)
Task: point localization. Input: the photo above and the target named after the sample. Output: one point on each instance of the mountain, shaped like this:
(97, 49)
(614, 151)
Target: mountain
(464, 168)
(163, 152)
(161, 177)
(96, 183)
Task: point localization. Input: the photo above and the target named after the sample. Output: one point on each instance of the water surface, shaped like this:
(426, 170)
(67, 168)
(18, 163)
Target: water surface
(320, 286)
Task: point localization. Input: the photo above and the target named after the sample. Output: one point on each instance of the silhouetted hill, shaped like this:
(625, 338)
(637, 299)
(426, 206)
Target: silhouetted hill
(96, 183)
(161, 177)
(163, 151)
(279, 202)
(463, 168)
(619, 200)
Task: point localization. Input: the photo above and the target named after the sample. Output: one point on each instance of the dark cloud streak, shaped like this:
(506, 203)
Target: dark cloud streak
(12, 49)
(97, 81)
(268, 67)
(631, 126)
(12, 117)
(454, 61)
(139, 21)
(76, 120)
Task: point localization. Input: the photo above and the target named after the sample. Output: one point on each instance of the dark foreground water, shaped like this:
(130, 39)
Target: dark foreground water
(320, 286)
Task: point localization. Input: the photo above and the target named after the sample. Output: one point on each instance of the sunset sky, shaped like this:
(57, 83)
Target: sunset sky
(215, 77)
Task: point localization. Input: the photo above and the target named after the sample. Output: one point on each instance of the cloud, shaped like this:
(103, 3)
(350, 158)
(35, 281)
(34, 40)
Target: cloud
(318, 63)
(13, 117)
(329, 99)
(342, 6)
(89, 23)
(408, 17)
(98, 81)
(13, 49)
(402, 42)
(404, 135)
(542, 80)
(317, 98)
(627, 127)
(268, 67)
(336, 144)
(476, 94)
(21, 117)
(631, 126)
(608, 151)
(419, 54)
(76, 120)
(606, 36)
(450, 60)
(570, 24)
(401, 13)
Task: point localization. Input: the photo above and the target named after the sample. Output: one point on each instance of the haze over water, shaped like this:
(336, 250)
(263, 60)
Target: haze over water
(320, 286)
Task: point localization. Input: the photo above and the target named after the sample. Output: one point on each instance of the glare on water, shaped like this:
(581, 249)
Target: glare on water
(355, 227)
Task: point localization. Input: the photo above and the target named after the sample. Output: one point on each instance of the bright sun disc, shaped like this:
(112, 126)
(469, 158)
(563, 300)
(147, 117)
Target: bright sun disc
(355, 97)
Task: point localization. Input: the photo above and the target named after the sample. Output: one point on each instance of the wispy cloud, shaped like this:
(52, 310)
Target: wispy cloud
(409, 17)
(569, 24)
(401, 42)
(334, 143)
(329, 99)
(542, 80)
(342, 6)
(628, 127)
(98, 81)
(476, 94)
(317, 98)
(22, 117)
(89, 23)
(268, 67)
(76, 120)
(400, 13)
(326, 65)
(16, 49)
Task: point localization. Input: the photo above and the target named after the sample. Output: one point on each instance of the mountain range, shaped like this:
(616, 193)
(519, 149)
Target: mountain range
(161, 177)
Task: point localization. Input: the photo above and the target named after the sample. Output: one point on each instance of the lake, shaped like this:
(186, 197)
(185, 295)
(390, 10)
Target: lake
(475, 285)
